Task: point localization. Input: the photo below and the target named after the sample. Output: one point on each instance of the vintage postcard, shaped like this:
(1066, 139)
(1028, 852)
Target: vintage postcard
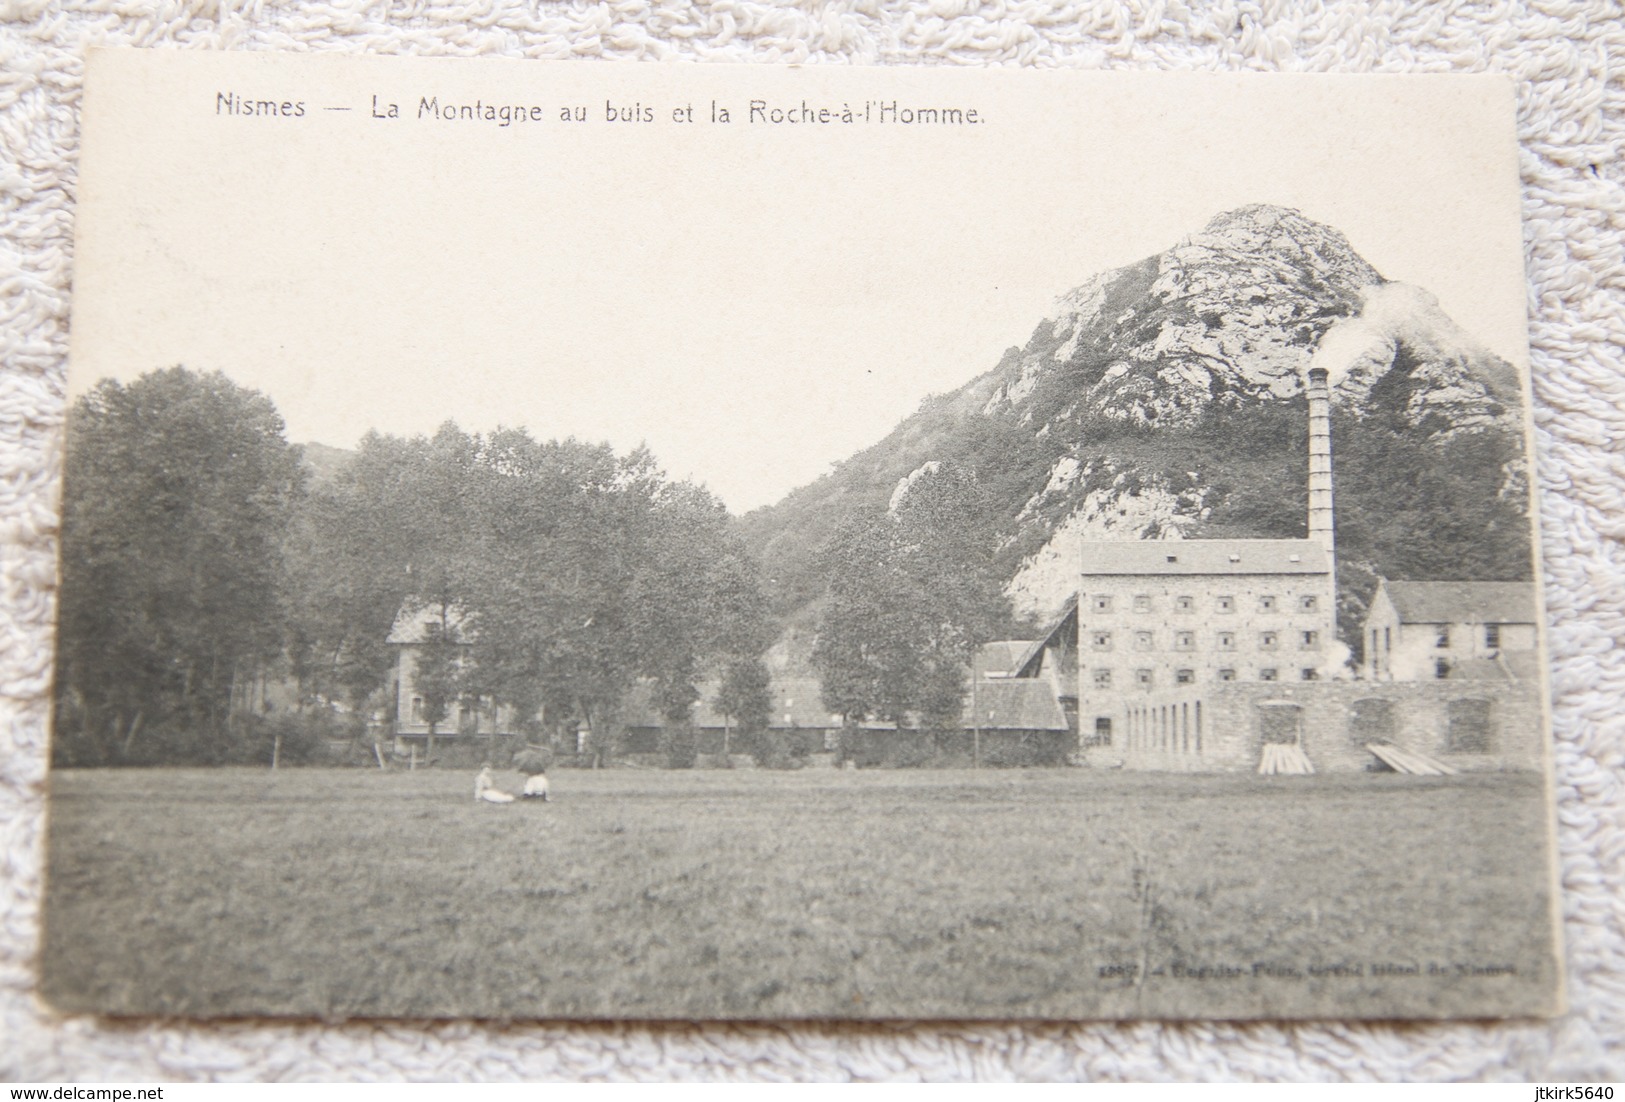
(701, 542)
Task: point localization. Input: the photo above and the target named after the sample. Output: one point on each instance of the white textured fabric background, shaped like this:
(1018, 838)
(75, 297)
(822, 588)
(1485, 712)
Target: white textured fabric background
(1569, 61)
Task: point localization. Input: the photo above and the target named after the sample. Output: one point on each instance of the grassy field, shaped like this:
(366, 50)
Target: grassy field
(1040, 894)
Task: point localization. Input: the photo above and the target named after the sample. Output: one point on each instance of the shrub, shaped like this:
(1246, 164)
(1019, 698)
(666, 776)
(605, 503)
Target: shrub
(912, 750)
(1023, 751)
(680, 746)
(254, 739)
(777, 750)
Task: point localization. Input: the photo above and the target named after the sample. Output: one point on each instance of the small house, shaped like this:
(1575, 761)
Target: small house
(413, 632)
(1427, 631)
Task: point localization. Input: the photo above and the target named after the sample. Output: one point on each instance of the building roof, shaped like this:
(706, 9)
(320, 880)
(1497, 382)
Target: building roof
(1462, 602)
(1001, 658)
(1015, 704)
(1025, 664)
(796, 703)
(412, 622)
(1153, 558)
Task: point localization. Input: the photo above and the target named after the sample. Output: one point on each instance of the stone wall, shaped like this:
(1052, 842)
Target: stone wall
(1472, 725)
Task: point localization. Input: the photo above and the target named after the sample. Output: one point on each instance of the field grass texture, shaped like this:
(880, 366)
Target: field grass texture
(714, 894)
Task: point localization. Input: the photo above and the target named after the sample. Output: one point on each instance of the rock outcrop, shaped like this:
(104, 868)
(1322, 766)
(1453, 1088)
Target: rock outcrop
(1159, 400)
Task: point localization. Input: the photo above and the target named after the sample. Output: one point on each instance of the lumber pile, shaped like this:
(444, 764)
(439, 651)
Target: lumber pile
(1284, 757)
(1409, 761)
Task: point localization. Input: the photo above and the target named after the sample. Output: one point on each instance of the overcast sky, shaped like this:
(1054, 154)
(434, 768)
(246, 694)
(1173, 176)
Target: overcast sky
(754, 301)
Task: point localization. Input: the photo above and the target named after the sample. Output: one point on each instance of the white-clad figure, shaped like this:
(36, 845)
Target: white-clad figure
(536, 787)
(485, 789)
(533, 761)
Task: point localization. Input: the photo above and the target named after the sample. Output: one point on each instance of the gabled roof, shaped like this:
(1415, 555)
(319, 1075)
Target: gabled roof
(1025, 665)
(1001, 658)
(1015, 704)
(412, 623)
(1150, 558)
(796, 703)
(1462, 602)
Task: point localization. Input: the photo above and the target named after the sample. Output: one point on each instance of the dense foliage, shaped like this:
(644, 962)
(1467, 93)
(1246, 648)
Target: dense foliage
(572, 572)
(911, 594)
(548, 576)
(745, 698)
(178, 488)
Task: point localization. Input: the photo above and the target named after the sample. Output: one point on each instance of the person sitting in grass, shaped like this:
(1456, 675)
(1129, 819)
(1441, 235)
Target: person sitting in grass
(533, 762)
(485, 788)
(536, 787)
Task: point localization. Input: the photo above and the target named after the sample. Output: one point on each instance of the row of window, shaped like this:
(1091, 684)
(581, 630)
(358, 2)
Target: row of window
(1441, 637)
(1146, 679)
(1142, 602)
(1186, 640)
(1492, 636)
(1441, 667)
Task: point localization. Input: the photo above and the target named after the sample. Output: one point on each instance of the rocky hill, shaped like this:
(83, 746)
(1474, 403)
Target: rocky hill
(1165, 400)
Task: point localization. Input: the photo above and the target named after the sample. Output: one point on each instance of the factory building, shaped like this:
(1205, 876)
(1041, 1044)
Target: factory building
(1222, 655)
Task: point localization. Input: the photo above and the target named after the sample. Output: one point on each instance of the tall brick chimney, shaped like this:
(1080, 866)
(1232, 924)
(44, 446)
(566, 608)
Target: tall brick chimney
(1322, 520)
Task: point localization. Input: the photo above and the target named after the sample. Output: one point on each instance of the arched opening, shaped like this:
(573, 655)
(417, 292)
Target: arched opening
(1472, 728)
(1280, 723)
(1371, 721)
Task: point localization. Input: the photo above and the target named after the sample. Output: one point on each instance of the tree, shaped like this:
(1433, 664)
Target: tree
(438, 675)
(554, 533)
(574, 572)
(863, 652)
(582, 571)
(696, 601)
(745, 698)
(944, 544)
(177, 491)
(912, 593)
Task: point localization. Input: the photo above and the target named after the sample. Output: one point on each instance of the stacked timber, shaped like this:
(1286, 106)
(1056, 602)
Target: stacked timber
(1284, 757)
(1409, 761)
